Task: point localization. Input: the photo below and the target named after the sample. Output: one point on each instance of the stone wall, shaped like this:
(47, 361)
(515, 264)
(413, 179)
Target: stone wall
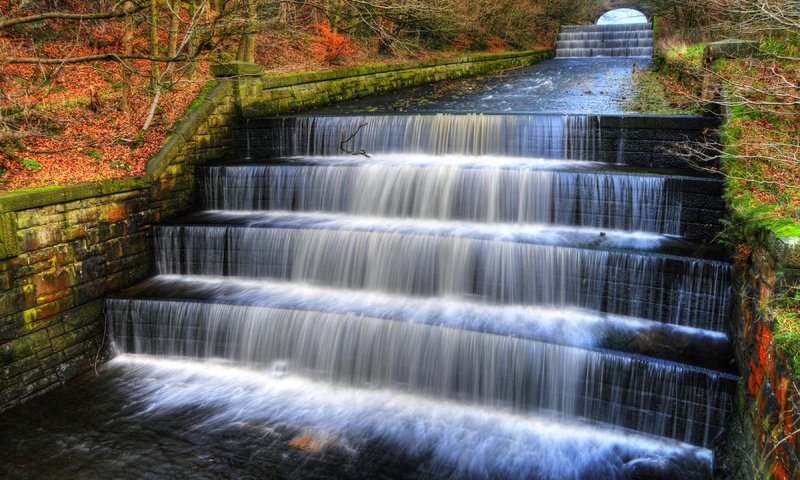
(272, 95)
(62, 249)
(763, 438)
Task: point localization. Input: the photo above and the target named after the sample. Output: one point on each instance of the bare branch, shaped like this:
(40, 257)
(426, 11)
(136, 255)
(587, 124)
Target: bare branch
(70, 16)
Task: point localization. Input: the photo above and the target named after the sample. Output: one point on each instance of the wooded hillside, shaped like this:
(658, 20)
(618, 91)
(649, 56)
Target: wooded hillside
(89, 89)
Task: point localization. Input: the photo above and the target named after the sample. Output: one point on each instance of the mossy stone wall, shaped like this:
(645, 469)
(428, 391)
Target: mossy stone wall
(63, 249)
(763, 440)
(271, 95)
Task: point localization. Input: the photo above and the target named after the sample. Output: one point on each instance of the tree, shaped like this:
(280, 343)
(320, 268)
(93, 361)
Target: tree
(188, 37)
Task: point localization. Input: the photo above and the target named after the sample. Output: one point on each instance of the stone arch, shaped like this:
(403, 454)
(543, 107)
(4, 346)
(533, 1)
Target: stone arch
(643, 6)
(622, 15)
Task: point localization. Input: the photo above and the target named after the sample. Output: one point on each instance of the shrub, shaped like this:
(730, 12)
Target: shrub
(329, 46)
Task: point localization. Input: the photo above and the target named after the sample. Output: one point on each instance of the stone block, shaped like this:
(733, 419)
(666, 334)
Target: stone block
(24, 346)
(785, 249)
(730, 48)
(236, 69)
(39, 237)
(83, 315)
(15, 368)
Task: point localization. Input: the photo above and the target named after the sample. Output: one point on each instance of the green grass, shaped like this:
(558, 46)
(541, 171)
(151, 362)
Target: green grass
(787, 324)
(30, 164)
(689, 54)
(651, 95)
(92, 153)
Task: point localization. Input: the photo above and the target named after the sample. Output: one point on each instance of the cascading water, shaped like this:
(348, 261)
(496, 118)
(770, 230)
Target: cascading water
(545, 136)
(464, 296)
(539, 287)
(627, 40)
(503, 190)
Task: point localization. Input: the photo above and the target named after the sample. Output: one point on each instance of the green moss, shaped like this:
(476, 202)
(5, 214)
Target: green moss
(786, 228)
(200, 99)
(787, 324)
(30, 164)
(38, 189)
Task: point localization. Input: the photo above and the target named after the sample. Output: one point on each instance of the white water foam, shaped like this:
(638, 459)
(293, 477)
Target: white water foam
(463, 441)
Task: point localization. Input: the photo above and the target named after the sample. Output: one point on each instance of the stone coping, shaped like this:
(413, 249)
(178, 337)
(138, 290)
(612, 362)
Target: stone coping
(785, 249)
(185, 128)
(39, 197)
(284, 80)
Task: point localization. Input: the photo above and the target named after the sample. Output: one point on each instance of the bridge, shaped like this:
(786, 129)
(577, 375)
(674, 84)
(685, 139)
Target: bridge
(644, 6)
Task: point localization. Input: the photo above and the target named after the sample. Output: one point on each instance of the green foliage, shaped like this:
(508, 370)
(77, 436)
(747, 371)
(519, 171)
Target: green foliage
(749, 213)
(30, 164)
(689, 54)
(789, 344)
(480, 44)
(745, 111)
(786, 46)
(651, 95)
(120, 165)
(92, 153)
(787, 324)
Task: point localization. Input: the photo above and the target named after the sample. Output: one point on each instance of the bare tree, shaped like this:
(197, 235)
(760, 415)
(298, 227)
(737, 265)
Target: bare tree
(190, 34)
(764, 88)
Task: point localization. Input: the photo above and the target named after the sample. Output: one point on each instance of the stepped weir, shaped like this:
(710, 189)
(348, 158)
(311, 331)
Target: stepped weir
(613, 40)
(458, 295)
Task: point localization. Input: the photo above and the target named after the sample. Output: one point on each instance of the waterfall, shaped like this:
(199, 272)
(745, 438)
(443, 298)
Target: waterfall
(631, 40)
(438, 362)
(496, 190)
(542, 136)
(445, 286)
(456, 264)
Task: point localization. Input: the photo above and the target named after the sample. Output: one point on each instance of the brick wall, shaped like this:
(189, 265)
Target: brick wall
(284, 93)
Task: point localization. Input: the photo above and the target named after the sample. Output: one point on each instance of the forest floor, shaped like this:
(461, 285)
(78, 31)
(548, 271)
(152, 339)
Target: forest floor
(62, 124)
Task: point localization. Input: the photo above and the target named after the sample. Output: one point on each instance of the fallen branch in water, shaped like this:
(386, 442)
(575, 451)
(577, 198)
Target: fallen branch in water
(348, 139)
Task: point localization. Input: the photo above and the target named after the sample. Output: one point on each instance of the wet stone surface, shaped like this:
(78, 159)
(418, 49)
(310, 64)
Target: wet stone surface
(151, 419)
(561, 85)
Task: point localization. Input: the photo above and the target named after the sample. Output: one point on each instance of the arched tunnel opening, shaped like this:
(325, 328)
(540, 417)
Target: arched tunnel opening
(621, 16)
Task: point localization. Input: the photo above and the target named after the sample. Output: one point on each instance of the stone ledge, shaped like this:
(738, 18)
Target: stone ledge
(236, 69)
(184, 129)
(285, 80)
(730, 48)
(24, 199)
(786, 250)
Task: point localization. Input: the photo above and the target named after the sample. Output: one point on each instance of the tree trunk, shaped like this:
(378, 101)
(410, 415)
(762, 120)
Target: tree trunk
(154, 70)
(193, 46)
(283, 14)
(174, 19)
(127, 45)
(246, 50)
